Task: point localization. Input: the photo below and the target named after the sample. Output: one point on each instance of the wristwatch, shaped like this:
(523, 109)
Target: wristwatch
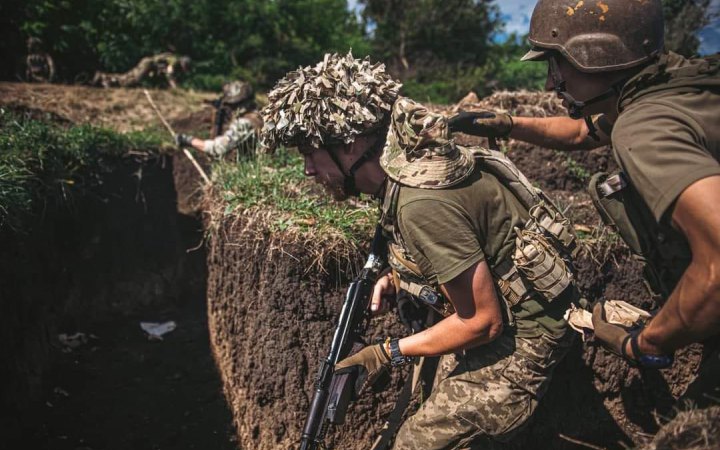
(396, 357)
(641, 359)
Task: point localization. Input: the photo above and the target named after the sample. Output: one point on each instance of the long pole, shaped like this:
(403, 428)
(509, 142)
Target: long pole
(172, 132)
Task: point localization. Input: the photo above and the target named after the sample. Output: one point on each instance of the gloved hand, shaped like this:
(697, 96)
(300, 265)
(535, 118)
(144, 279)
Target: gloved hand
(481, 123)
(183, 140)
(371, 362)
(614, 336)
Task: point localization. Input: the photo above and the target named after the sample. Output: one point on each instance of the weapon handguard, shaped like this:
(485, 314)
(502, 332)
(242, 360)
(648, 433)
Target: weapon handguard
(333, 393)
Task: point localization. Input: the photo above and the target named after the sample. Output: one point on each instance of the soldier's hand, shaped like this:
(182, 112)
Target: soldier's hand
(481, 123)
(614, 336)
(183, 140)
(370, 362)
(383, 293)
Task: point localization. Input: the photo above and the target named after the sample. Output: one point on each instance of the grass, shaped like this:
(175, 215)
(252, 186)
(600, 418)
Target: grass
(276, 183)
(41, 161)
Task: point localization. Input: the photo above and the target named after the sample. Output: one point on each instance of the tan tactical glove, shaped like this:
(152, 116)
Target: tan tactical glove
(614, 336)
(370, 362)
(482, 123)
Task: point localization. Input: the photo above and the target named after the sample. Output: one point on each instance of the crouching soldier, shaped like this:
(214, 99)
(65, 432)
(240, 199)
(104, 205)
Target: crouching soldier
(39, 65)
(469, 235)
(237, 101)
(661, 112)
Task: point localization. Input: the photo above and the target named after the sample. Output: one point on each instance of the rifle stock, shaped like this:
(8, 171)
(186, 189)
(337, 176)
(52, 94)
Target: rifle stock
(333, 393)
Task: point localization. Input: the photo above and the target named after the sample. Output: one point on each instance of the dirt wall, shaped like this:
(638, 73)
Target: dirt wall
(101, 253)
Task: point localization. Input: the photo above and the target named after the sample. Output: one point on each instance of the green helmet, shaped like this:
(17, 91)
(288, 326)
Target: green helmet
(598, 36)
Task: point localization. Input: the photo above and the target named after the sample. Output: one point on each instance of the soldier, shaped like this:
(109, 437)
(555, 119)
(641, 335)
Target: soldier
(661, 112)
(468, 235)
(39, 66)
(165, 65)
(245, 122)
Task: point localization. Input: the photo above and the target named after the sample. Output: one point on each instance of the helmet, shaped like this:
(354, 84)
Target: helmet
(237, 92)
(334, 101)
(598, 36)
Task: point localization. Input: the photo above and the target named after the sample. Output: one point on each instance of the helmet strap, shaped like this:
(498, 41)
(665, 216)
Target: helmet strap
(349, 185)
(576, 107)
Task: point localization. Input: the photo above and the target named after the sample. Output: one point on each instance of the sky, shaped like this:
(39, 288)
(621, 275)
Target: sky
(516, 14)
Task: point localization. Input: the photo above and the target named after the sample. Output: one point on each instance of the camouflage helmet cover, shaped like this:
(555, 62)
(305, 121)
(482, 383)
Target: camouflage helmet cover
(34, 43)
(418, 151)
(598, 36)
(332, 102)
(237, 92)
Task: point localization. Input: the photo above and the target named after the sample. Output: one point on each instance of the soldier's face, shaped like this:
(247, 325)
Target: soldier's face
(582, 86)
(320, 166)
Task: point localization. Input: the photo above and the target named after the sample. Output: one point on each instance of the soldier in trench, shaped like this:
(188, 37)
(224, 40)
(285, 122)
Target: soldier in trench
(661, 113)
(39, 65)
(239, 100)
(462, 223)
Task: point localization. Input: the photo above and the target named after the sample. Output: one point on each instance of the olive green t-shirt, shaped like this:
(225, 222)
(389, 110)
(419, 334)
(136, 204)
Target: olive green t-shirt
(668, 134)
(447, 231)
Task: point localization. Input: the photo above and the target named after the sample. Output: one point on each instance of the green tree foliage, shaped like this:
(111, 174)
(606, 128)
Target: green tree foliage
(683, 19)
(434, 46)
(256, 39)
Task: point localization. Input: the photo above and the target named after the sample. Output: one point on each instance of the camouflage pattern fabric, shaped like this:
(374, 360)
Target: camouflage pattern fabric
(418, 151)
(39, 68)
(483, 396)
(331, 103)
(241, 135)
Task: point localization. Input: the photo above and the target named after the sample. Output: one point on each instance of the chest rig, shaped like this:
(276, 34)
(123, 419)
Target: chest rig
(541, 263)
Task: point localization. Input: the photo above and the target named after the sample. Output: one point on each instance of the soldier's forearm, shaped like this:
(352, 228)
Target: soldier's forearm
(691, 314)
(450, 335)
(561, 133)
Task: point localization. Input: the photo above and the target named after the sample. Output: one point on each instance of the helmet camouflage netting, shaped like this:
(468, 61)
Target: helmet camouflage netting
(335, 101)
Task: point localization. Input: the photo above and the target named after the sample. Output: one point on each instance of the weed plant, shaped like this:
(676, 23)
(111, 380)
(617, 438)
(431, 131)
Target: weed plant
(42, 162)
(276, 183)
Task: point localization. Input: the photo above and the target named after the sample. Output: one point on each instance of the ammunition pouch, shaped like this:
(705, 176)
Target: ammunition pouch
(539, 262)
(664, 252)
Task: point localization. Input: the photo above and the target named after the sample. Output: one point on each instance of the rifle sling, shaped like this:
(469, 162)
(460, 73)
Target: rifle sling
(423, 371)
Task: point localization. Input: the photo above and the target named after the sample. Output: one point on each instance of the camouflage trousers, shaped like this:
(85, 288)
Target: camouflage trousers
(484, 395)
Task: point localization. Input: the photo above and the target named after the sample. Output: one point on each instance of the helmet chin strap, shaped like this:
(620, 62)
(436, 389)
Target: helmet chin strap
(576, 107)
(349, 181)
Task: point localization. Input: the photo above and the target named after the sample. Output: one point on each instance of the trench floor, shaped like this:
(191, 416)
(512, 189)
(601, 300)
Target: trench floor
(122, 391)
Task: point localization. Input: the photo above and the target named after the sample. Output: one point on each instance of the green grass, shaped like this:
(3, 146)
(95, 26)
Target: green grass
(276, 183)
(40, 161)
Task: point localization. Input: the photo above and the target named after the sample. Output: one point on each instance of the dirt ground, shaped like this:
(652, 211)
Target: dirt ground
(122, 391)
(270, 322)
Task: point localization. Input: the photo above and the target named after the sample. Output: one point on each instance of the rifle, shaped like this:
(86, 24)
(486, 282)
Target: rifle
(218, 116)
(334, 392)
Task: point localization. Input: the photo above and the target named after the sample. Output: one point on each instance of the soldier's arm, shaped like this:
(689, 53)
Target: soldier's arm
(561, 133)
(477, 320)
(692, 313)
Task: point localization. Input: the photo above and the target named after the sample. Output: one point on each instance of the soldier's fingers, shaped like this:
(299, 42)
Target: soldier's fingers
(376, 301)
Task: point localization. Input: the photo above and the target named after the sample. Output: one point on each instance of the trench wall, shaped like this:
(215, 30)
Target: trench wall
(104, 252)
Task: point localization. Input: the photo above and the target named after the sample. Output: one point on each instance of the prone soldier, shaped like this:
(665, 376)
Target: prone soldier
(165, 65)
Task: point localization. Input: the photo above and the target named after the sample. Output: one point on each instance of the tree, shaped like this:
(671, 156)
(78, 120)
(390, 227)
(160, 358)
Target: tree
(683, 20)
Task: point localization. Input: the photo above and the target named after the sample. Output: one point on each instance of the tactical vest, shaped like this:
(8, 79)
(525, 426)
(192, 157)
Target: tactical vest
(541, 263)
(663, 251)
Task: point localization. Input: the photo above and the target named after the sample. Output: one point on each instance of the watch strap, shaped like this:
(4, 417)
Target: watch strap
(396, 356)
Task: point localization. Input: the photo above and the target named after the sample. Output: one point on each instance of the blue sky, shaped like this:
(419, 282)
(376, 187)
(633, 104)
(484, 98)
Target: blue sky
(516, 14)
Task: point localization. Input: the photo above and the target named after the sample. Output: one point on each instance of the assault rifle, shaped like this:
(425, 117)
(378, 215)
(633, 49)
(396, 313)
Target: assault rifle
(218, 115)
(334, 392)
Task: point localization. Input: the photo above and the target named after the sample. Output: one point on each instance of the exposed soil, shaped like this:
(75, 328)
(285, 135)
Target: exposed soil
(270, 319)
